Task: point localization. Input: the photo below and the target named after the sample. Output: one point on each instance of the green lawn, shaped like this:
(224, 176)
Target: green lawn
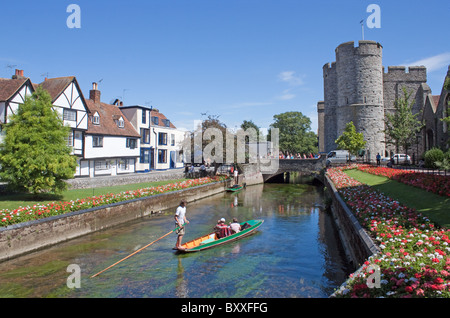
(13, 201)
(435, 207)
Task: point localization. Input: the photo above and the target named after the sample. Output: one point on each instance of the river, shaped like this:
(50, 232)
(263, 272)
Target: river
(295, 253)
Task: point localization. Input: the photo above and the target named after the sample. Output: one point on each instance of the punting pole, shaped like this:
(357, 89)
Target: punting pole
(142, 248)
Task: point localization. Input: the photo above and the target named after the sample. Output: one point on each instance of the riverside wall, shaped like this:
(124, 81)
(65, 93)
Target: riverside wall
(357, 243)
(19, 239)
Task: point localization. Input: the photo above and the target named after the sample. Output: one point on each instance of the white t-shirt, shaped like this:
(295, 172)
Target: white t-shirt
(235, 227)
(180, 213)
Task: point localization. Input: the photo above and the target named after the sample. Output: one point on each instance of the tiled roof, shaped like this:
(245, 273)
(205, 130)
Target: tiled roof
(8, 87)
(156, 113)
(436, 100)
(108, 126)
(55, 86)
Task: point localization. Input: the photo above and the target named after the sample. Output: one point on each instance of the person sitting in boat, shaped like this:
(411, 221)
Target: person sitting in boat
(235, 227)
(221, 229)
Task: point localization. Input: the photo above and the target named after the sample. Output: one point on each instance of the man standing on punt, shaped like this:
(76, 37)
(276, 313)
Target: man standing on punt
(180, 220)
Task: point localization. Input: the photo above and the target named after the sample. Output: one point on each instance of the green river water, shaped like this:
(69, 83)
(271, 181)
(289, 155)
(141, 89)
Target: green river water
(295, 253)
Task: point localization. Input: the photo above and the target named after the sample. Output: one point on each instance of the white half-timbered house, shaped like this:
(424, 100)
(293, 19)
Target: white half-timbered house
(13, 92)
(68, 101)
(111, 142)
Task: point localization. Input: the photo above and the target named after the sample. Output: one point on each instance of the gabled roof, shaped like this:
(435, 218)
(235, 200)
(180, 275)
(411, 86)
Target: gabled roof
(108, 126)
(8, 87)
(56, 86)
(434, 101)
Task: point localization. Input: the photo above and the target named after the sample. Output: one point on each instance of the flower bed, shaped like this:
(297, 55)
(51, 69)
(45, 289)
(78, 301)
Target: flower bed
(23, 214)
(413, 261)
(437, 184)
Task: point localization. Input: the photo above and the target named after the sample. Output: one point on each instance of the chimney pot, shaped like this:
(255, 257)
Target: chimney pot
(94, 93)
(18, 74)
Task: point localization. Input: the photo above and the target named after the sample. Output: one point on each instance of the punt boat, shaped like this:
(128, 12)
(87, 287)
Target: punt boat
(210, 240)
(235, 188)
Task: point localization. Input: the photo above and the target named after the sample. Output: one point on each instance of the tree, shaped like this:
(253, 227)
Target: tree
(447, 87)
(250, 124)
(402, 126)
(34, 155)
(351, 140)
(295, 135)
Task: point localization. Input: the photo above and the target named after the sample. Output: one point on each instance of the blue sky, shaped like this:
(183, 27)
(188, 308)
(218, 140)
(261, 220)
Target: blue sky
(240, 59)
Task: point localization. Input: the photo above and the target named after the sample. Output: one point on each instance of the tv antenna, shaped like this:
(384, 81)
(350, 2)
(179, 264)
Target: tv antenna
(10, 67)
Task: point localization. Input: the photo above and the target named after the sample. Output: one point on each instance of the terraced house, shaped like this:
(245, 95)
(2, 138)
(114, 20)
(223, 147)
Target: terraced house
(159, 138)
(111, 142)
(107, 139)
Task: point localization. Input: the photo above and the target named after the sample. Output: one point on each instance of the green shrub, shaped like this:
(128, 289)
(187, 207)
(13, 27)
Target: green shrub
(433, 155)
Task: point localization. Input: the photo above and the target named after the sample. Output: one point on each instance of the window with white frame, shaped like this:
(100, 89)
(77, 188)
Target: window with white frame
(70, 139)
(96, 119)
(97, 141)
(69, 114)
(124, 164)
(101, 165)
(131, 143)
(121, 123)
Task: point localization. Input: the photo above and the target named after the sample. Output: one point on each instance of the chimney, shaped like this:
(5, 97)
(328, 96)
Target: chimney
(94, 93)
(18, 74)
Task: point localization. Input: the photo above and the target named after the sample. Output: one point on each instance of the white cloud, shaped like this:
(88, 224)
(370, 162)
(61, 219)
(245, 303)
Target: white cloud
(286, 95)
(291, 78)
(433, 63)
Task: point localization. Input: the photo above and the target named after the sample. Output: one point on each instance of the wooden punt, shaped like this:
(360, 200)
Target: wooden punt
(210, 240)
(235, 188)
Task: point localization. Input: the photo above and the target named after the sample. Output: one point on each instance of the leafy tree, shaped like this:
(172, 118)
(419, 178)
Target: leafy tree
(351, 140)
(402, 126)
(250, 124)
(34, 155)
(295, 135)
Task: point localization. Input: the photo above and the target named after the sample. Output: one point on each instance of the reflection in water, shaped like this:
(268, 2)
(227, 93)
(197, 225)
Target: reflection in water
(296, 253)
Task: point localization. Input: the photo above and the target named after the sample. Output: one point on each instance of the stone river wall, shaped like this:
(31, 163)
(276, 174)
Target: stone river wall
(357, 243)
(30, 236)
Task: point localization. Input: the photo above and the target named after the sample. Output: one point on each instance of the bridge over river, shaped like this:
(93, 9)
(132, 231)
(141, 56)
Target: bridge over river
(275, 168)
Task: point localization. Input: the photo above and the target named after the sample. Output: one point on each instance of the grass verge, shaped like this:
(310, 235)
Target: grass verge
(13, 201)
(435, 207)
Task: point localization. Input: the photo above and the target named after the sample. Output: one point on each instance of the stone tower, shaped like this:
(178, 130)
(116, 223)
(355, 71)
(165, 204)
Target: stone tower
(353, 91)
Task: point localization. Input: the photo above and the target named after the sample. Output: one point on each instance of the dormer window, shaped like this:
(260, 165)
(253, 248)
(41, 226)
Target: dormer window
(121, 123)
(96, 119)
(166, 122)
(155, 120)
